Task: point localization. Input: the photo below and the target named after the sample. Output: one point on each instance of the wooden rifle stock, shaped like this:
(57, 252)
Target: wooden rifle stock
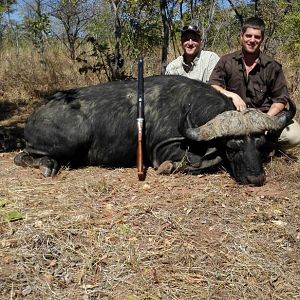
(140, 120)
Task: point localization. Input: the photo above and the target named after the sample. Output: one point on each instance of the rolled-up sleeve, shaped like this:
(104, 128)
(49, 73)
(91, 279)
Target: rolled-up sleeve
(279, 91)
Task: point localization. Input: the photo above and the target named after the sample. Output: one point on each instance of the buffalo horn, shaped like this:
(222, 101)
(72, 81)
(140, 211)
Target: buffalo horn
(234, 123)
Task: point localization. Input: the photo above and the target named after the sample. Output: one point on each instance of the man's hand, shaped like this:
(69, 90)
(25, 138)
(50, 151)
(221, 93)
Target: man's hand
(275, 109)
(238, 102)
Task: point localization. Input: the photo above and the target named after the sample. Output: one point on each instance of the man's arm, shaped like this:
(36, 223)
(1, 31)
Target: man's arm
(217, 81)
(238, 102)
(275, 109)
(279, 91)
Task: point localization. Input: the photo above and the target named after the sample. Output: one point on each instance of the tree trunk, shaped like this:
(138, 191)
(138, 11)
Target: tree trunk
(116, 72)
(240, 17)
(210, 22)
(164, 56)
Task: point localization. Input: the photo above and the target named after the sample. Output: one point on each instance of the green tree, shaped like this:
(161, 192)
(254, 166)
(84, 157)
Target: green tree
(130, 29)
(5, 11)
(289, 28)
(37, 24)
(74, 17)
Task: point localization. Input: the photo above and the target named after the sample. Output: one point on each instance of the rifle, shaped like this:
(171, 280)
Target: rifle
(140, 120)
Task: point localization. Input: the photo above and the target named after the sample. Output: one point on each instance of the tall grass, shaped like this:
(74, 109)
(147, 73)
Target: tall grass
(24, 75)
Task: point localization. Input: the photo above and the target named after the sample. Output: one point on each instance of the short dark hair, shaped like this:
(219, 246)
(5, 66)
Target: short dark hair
(256, 23)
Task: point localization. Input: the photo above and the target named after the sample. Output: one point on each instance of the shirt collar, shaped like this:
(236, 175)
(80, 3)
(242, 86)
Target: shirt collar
(194, 62)
(263, 58)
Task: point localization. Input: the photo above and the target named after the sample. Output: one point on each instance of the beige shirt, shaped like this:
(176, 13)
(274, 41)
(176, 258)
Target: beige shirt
(200, 69)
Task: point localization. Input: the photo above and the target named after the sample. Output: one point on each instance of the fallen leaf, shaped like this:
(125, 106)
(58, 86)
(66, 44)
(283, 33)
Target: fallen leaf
(13, 215)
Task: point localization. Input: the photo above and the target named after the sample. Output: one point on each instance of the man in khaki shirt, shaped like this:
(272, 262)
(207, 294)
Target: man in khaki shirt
(194, 63)
(253, 79)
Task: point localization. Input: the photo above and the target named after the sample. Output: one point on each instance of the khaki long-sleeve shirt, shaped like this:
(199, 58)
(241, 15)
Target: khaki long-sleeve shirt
(200, 69)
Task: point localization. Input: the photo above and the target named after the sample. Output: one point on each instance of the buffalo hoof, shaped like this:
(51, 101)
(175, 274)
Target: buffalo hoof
(23, 159)
(165, 168)
(48, 167)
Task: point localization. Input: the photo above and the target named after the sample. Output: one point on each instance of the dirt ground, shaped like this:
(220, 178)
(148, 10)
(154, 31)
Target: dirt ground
(97, 233)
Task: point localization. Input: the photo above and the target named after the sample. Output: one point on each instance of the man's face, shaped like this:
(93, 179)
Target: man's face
(251, 40)
(190, 43)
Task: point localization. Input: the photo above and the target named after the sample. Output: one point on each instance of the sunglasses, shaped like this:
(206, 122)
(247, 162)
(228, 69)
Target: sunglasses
(190, 27)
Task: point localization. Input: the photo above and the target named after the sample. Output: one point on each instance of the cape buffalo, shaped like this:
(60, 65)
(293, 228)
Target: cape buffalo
(189, 127)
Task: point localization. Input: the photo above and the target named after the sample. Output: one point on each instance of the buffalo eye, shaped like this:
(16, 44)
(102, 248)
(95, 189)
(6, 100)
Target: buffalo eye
(233, 147)
(260, 141)
(234, 144)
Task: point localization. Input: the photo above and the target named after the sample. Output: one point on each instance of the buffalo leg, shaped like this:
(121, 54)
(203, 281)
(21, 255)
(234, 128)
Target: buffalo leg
(191, 164)
(48, 166)
(166, 168)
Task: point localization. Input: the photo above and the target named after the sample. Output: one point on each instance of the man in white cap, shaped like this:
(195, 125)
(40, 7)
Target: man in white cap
(194, 63)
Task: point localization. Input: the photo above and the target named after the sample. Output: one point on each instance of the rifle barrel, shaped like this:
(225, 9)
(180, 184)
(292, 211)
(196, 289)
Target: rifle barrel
(140, 119)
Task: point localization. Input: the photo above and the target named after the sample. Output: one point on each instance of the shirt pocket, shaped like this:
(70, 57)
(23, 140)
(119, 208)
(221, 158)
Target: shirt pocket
(260, 95)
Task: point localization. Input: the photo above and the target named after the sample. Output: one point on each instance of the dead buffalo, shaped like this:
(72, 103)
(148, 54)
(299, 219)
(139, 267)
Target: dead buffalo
(189, 127)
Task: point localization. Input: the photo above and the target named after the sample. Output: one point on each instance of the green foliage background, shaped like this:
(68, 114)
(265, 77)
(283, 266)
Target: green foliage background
(58, 57)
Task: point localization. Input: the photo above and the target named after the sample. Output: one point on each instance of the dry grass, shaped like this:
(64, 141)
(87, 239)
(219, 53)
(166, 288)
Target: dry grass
(95, 233)
(24, 76)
